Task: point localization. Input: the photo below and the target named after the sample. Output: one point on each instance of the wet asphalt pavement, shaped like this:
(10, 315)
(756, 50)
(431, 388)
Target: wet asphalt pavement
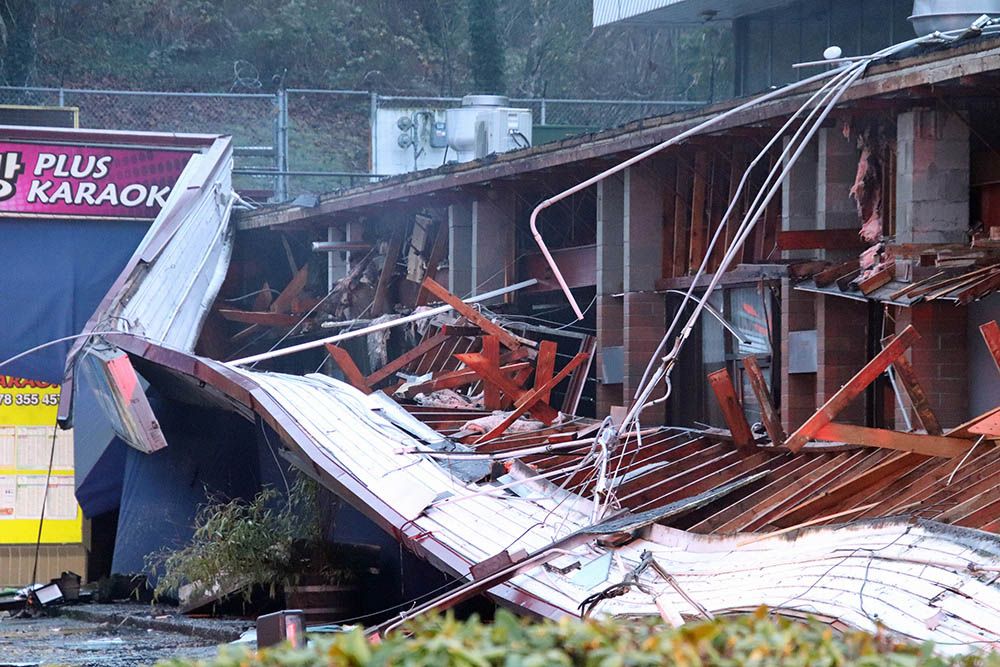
(65, 641)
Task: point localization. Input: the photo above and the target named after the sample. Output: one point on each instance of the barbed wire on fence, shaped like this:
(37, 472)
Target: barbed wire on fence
(300, 140)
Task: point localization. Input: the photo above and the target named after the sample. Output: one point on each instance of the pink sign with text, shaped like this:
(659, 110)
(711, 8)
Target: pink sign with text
(84, 181)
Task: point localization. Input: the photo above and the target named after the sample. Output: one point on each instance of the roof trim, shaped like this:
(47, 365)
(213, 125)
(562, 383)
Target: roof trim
(928, 68)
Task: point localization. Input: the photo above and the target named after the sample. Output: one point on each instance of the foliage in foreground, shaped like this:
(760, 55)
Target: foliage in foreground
(759, 639)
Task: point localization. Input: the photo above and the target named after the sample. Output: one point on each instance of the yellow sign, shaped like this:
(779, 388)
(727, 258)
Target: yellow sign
(28, 439)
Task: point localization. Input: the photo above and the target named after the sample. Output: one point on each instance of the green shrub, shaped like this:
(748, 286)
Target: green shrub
(756, 640)
(247, 543)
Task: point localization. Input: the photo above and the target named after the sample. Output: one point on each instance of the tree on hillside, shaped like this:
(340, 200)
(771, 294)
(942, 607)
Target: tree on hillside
(17, 40)
(487, 52)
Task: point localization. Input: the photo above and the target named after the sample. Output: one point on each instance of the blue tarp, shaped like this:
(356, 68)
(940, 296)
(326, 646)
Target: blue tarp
(55, 273)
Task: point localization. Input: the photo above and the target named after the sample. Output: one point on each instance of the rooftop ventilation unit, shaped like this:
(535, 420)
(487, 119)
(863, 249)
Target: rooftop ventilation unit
(486, 124)
(942, 15)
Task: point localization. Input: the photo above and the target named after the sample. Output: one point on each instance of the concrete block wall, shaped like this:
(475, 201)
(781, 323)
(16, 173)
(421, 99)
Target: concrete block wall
(610, 281)
(940, 358)
(932, 177)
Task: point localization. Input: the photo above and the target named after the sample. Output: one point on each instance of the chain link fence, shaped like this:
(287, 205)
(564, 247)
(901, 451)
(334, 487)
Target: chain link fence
(299, 141)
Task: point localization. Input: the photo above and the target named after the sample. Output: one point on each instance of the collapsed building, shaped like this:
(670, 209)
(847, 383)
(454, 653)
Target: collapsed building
(820, 440)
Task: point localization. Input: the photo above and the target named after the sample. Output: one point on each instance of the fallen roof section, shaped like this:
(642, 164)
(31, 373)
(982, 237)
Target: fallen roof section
(916, 578)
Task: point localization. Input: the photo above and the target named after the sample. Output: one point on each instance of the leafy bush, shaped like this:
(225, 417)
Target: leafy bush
(242, 543)
(756, 640)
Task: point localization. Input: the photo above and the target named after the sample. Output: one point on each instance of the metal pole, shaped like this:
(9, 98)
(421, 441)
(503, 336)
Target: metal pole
(543, 122)
(281, 145)
(373, 124)
(62, 97)
(412, 317)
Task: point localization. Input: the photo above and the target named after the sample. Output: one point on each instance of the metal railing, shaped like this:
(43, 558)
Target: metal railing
(301, 140)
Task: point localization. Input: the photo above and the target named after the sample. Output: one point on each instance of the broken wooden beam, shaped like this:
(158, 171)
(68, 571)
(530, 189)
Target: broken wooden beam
(916, 443)
(991, 334)
(351, 372)
(283, 302)
(545, 365)
(506, 338)
(491, 393)
(380, 303)
(530, 400)
(492, 374)
(732, 411)
(405, 359)
(918, 399)
(815, 239)
(454, 379)
(854, 387)
(834, 273)
(768, 415)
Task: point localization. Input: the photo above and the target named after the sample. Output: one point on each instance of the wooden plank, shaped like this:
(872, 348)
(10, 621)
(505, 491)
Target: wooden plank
(530, 401)
(732, 411)
(770, 417)
(467, 376)
(699, 190)
(392, 252)
(545, 365)
(878, 279)
(991, 334)
(682, 221)
(989, 427)
(438, 252)
(854, 387)
(912, 286)
(283, 302)
(669, 197)
(737, 167)
(965, 429)
(507, 339)
(405, 359)
(489, 373)
(833, 498)
(351, 372)
(825, 239)
(906, 376)
(979, 289)
(491, 352)
(917, 443)
(263, 318)
(834, 273)
(578, 379)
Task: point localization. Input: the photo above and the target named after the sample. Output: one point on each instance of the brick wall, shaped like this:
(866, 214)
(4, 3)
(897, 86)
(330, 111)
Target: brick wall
(798, 390)
(940, 358)
(841, 348)
(645, 318)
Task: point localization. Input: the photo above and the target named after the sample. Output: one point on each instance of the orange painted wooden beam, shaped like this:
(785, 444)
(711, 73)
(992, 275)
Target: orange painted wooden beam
(918, 443)
(991, 334)
(770, 417)
(531, 401)
(507, 339)
(405, 359)
(351, 372)
(732, 411)
(854, 387)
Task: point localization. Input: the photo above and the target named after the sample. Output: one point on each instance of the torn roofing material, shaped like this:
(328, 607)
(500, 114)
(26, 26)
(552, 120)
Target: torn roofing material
(917, 578)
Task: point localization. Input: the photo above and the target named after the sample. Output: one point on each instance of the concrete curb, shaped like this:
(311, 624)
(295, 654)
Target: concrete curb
(221, 635)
